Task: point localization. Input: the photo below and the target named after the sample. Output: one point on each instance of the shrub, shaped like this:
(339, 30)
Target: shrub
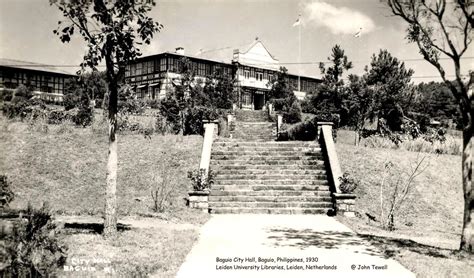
(22, 93)
(33, 248)
(293, 115)
(6, 95)
(348, 184)
(169, 117)
(164, 182)
(200, 181)
(194, 118)
(56, 117)
(6, 193)
(307, 130)
(84, 116)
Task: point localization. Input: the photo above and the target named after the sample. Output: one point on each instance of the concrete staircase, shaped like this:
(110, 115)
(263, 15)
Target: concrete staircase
(256, 175)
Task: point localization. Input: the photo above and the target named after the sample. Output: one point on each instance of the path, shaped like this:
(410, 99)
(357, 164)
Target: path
(275, 237)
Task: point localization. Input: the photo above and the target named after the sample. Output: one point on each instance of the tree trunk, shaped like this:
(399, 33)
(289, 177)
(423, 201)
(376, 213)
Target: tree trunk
(110, 221)
(467, 238)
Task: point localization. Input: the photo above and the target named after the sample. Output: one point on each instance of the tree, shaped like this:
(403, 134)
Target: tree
(360, 104)
(391, 83)
(113, 31)
(329, 95)
(445, 28)
(219, 90)
(283, 97)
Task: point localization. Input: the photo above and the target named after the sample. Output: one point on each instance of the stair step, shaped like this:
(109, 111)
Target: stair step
(264, 187)
(247, 166)
(269, 210)
(285, 173)
(269, 177)
(285, 162)
(271, 182)
(271, 204)
(270, 144)
(270, 193)
(239, 198)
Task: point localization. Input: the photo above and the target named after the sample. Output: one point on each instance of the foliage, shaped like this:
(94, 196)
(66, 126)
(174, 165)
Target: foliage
(390, 81)
(328, 97)
(293, 115)
(218, 91)
(33, 248)
(201, 179)
(359, 102)
(348, 184)
(164, 182)
(6, 192)
(435, 100)
(6, 94)
(283, 98)
(195, 117)
(169, 117)
(308, 129)
(22, 93)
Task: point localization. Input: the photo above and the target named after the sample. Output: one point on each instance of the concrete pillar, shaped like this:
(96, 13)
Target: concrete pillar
(210, 133)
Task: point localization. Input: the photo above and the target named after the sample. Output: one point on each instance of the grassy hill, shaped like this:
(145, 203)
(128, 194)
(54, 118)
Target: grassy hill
(67, 167)
(428, 225)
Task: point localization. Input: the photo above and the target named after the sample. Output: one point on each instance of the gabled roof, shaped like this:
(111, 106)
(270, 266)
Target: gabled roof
(11, 63)
(254, 43)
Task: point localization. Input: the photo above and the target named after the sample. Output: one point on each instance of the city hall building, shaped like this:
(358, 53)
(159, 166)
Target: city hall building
(253, 67)
(47, 82)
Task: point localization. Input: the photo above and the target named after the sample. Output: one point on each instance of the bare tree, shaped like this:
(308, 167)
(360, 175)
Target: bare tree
(444, 28)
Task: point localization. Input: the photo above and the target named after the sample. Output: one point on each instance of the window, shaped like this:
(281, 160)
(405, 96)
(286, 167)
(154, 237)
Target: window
(150, 66)
(133, 69)
(246, 74)
(127, 71)
(162, 64)
(201, 69)
(139, 68)
(259, 76)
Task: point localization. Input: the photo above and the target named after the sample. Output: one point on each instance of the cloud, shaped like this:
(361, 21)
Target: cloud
(339, 20)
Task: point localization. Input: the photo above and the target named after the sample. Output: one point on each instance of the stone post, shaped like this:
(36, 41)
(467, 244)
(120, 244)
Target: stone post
(210, 133)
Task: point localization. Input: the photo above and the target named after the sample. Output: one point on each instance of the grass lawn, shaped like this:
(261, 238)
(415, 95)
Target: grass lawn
(144, 247)
(66, 167)
(428, 225)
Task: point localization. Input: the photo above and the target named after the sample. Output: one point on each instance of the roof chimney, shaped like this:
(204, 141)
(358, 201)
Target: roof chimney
(179, 50)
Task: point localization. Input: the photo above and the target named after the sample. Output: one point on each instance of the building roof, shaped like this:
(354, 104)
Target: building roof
(11, 63)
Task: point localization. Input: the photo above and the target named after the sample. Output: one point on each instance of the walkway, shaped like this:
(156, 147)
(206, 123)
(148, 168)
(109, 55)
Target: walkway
(247, 245)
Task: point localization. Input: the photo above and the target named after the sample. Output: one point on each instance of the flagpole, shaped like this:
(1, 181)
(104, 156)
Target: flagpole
(299, 54)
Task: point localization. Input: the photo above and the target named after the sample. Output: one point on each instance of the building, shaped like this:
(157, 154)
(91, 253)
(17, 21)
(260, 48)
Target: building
(46, 81)
(253, 67)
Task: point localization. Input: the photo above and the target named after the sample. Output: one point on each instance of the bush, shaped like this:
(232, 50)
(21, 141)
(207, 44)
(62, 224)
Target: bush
(6, 95)
(194, 118)
(84, 116)
(6, 193)
(33, 248)
(293, 115)
(164, 182)
(22, 93)
(200, 181)
(348, 184)
(169, 117)
(307, 130)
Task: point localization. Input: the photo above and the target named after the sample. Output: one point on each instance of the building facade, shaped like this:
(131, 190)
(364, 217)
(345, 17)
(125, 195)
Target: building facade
(252, 68)
(47, 82)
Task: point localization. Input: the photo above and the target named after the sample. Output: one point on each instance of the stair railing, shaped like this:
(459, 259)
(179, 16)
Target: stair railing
(326, 139)
(210, 133)
(343, 203)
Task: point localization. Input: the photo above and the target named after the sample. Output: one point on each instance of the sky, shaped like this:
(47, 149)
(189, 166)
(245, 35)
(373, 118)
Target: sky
(222, 25)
